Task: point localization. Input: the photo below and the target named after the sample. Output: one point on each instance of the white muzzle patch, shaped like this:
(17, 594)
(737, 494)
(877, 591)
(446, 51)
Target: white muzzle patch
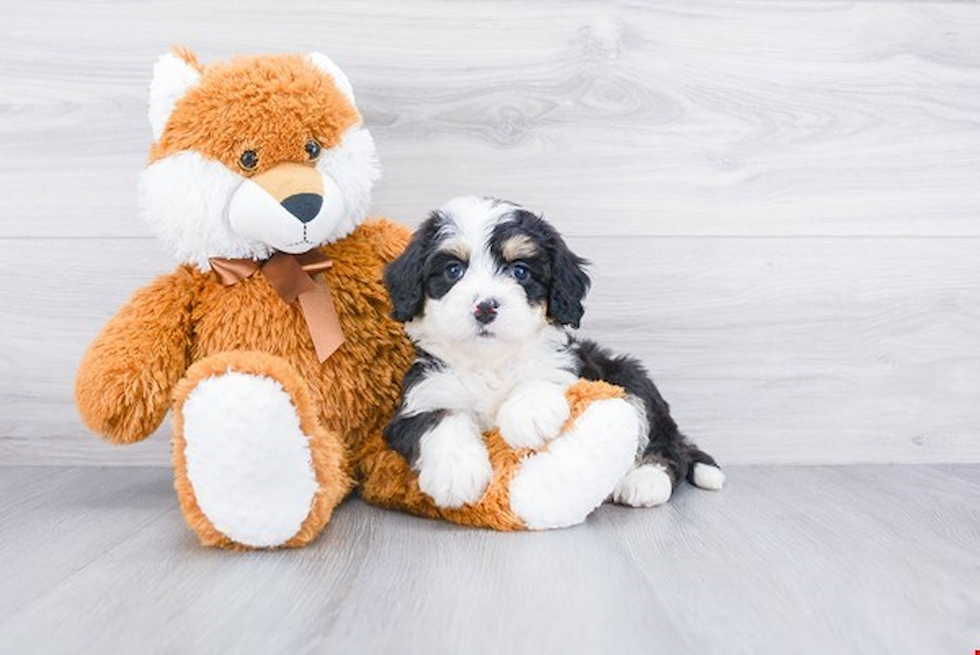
(253, 213)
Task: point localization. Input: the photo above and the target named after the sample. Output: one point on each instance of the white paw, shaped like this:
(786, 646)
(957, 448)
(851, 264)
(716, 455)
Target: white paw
(453, 464)
(533, 414)
(707, 476)
(645, 486)
(247, 458)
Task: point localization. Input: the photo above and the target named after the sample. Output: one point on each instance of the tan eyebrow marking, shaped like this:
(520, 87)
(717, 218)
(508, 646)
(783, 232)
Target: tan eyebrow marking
(459, 250)
(518, 247)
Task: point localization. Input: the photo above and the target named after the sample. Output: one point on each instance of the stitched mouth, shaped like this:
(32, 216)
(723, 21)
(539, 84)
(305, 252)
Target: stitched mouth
(301, 241)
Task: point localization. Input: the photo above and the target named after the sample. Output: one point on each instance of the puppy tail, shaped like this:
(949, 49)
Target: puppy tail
(704, 471)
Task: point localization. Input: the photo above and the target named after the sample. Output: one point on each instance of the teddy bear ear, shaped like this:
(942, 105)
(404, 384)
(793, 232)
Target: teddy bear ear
(173, 74)
(325, 64)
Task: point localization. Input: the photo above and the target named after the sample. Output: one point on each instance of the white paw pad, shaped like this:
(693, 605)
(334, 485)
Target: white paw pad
(247, 458)
(708, 477)
(645, 486)
(533, 415)
(453, 465)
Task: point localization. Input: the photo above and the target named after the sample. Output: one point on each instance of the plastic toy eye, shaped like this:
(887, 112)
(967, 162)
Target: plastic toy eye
(520, 272)
(313, 149)
(454, 271)
(249, 160)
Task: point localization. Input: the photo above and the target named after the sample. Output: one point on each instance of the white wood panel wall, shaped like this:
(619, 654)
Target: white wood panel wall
(781, 199)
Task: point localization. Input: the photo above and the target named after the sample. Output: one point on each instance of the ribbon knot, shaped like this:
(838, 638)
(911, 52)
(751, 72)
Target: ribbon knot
(292, 278)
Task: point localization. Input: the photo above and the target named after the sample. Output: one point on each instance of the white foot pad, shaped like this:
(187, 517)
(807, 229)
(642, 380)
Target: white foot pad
(247, 459)
(708, 477)
(560, 486)
(645, 486)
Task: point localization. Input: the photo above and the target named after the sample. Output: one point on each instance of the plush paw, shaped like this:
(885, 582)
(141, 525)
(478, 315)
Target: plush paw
(559, 486)
(248, 460)
(644, 486)
(453, 464)
(533, 414)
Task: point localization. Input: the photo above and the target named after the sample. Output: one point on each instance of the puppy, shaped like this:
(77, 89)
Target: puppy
(489, 293)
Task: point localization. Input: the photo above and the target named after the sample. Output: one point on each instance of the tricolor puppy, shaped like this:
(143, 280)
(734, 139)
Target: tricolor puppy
(489, 293)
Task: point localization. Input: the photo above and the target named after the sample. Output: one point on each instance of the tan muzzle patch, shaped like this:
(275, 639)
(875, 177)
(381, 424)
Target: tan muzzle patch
(289, 179)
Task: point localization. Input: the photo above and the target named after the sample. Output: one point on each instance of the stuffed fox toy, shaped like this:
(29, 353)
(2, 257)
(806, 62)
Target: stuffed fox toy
(271, 342)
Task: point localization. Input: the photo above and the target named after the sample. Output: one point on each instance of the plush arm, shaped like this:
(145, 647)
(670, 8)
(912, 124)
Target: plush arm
(126, 378)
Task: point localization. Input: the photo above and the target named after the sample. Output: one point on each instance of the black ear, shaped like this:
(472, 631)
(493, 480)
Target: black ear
(404, 277)
(569, 284)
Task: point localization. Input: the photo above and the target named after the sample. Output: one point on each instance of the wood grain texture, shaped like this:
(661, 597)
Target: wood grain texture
(780, 198)
(769, 350)
(778, 118)
(808, 560)
(57, 521)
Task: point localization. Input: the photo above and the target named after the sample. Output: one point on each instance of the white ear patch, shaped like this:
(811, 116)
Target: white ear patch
(172, 77)
(325, 64)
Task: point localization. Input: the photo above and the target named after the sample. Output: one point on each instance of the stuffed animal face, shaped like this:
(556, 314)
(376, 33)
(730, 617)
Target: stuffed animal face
(253, 156)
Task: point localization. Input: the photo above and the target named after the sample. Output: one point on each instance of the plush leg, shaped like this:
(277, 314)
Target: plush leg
(561, 486)
(253, 467)
(551, 488)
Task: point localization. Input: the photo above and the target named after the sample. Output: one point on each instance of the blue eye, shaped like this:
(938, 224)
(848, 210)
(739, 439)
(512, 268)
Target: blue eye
(454, 271)
(520, 272)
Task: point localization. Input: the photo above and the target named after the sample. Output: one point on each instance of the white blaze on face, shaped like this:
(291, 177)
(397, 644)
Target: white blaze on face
(450, 320)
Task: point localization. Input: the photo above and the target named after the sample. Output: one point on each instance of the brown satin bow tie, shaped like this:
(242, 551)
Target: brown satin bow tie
(292, 277)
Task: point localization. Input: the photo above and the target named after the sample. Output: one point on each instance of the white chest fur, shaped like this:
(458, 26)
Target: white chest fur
(478, 380)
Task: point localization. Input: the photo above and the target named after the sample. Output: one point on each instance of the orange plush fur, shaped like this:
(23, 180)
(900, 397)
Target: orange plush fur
(387, 480)
(266, 104)
(131, 371)
(187, 326)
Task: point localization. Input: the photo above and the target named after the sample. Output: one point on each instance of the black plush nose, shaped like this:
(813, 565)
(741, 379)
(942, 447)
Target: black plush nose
(486, 311)
(304, 206)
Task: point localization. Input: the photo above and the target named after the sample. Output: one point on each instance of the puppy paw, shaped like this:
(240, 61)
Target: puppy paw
(533, 414)
(453, 464)
(709, 477)
(644, 486)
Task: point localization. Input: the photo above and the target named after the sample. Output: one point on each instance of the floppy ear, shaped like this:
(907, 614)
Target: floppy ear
(569, 284)
(403, 277)
(174, 73)
(326, 65)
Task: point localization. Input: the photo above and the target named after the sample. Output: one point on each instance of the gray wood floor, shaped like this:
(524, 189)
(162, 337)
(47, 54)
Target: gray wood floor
(849, 559)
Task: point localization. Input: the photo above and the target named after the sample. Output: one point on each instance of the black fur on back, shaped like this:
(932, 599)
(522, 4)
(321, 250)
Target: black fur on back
(667, 444)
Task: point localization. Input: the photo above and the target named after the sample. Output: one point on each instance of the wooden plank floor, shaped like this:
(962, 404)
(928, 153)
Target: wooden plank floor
(849, 559)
